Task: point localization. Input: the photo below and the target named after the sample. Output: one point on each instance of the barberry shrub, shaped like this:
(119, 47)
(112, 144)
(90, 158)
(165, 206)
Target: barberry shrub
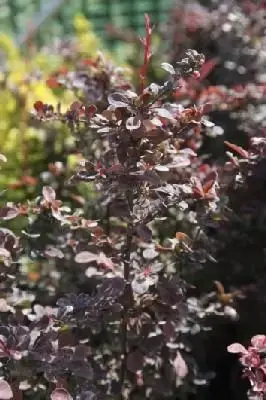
(94, 301)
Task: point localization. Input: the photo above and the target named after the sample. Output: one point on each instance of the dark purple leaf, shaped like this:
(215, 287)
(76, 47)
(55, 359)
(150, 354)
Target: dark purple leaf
(7, 213)
(76, 302)
(144, 232)
(135, 361)
(152, 343)
(151, 177)
(169, 330)
(171, 291)
(81, 352)
(112, 288)
(87, 395)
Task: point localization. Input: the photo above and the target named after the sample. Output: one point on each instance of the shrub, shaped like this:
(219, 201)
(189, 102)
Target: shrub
(94, 297)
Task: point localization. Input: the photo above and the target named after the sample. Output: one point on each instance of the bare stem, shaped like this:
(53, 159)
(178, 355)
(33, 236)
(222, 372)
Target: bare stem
(126, 258)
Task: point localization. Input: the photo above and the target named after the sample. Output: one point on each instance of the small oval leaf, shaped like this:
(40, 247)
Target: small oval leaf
(5, 390)
(135, 361)
(48, 194)
(118, 100)
(60, 394)
(180, 366)
(236, 348)
(168, 67)
(85, 257)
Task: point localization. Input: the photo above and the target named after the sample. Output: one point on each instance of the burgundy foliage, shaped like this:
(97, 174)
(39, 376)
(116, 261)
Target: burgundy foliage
(96, 302)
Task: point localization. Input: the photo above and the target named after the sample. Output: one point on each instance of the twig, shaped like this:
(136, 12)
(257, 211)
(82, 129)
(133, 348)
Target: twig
(127, 254)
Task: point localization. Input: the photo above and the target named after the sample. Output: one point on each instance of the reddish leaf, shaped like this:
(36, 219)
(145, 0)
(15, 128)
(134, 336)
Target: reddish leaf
(39, 106)
(52, 83)
(238, 149)
(147, 52)
(208, 185)
(63, 70)
(29, 180)
(75, 106)
(5, 390)
(207, 189)
(181, 236)
(196, 74)
(90, 110)
(208, 67)
(89, 62)
(198, 188)
(206, 108)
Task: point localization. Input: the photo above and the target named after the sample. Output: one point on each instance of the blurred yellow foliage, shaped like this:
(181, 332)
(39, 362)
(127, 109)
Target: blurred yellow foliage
(88, 42)
(20, 88)
(23, 82)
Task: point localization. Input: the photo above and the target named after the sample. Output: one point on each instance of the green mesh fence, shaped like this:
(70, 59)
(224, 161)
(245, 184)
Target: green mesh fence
(54, 17)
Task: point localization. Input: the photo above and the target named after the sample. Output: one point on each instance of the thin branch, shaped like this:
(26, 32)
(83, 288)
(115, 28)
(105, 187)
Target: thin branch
(127, 264)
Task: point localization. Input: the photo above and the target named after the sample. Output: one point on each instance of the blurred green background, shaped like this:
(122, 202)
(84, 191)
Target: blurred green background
(19, 17)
